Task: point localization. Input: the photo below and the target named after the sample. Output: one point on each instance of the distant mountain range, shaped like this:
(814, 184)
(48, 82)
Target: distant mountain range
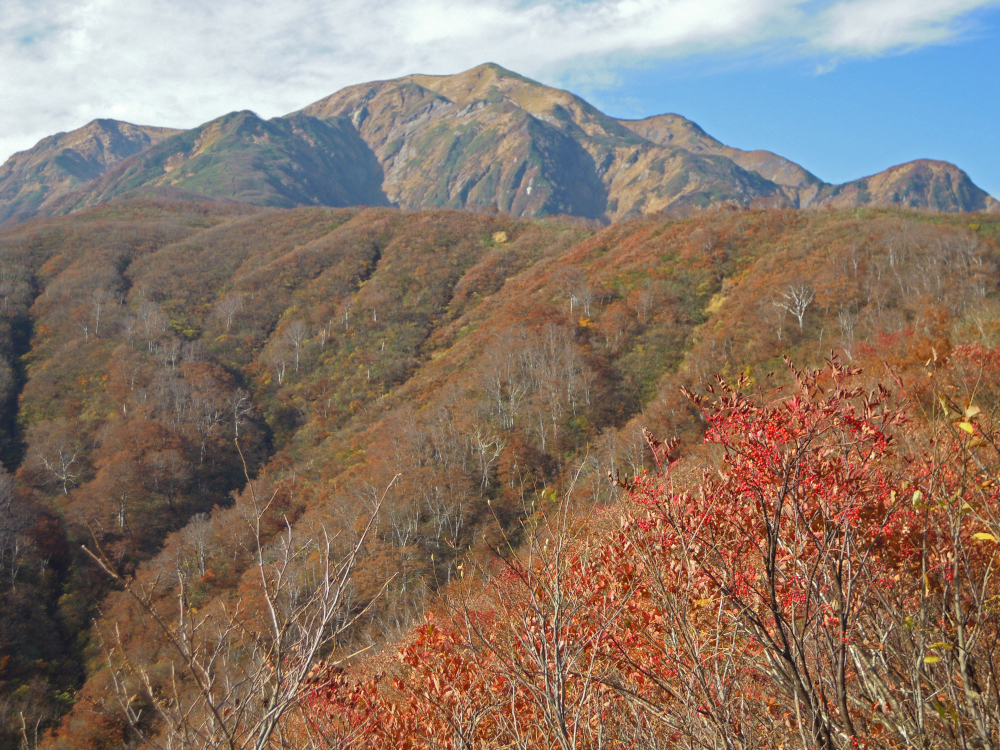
(486, 139)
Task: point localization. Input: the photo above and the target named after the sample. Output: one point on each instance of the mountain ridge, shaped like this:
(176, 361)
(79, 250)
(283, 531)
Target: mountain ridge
(61, 163)
(486, 139)
(239, 155)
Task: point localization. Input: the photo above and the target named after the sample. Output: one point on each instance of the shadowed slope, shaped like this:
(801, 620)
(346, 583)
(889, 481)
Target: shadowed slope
(285, 162)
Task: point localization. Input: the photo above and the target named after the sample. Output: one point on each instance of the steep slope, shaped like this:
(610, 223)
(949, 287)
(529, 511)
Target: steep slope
(798, 186)
(481, 360)
(284, 162)
(679, 132)
(31, 180)
(489, 137)
(486, 139)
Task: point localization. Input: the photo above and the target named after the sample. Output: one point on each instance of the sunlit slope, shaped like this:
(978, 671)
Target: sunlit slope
(486, 139)
(483, 361)
(489, 137)
(31, 180)
(926, 184)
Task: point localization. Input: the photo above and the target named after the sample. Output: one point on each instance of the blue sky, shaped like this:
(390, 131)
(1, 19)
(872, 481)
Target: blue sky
(844, 87)
(856, 118)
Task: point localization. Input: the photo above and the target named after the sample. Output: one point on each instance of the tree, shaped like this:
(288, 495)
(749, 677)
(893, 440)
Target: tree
(228, 306)
(815, 589)
(167, 472)
(796, 300)
(98, 300)
(56, 453)
(297, 333)
(239, 669)
(13, 525)
(277, 357)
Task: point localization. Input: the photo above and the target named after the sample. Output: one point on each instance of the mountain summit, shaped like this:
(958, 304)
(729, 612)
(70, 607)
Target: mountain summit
(485, 139)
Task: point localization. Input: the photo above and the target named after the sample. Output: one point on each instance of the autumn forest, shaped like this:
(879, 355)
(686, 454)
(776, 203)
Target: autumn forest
(374, 478)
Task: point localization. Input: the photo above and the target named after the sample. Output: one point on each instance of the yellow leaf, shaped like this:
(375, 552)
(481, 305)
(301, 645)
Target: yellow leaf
(982, 536)
(940, 644)
(702, 602)
(967, 426)
(932, 659)
(971, 411)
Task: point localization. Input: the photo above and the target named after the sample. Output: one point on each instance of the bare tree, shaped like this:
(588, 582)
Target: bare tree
(98, 300)
(324, 334)
(488, 446)
(56, 450)
(505, 381)
(277, 357)
(228, 306)
(848, 321)
(297, 334)
(796, 299)
(242, 407)
(240, 666)
(12, 527)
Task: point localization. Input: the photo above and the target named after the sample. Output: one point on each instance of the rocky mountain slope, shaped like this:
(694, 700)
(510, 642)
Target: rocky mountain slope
(30, 181)
(486, 139)
(800, 187)
(292, 161)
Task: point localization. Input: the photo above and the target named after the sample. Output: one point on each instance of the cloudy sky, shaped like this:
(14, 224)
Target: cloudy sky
(845, 87)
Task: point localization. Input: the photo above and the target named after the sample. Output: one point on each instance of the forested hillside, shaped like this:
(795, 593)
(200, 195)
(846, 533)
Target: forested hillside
(446, 376)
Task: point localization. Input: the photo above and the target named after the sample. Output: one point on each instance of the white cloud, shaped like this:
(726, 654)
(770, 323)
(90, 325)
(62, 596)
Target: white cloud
(65, 62)
(872, 26)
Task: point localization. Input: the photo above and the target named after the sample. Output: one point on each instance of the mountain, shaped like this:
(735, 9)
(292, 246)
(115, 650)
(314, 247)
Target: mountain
(292, 161)
(486, 139)
(798, 185)
(31, 180)
(489, 137)
(935, 185)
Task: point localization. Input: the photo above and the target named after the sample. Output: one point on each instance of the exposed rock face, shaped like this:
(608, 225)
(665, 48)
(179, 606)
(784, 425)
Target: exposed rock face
(488, 137)
(485, 139)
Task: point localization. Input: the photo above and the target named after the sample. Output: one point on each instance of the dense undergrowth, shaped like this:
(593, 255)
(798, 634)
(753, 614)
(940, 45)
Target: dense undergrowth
(828, 581)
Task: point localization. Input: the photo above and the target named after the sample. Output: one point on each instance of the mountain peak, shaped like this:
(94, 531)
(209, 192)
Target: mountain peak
(283, 162)
(64, 162)
(675, 131)
(478, 83)
(483, 139)
(921, 183)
